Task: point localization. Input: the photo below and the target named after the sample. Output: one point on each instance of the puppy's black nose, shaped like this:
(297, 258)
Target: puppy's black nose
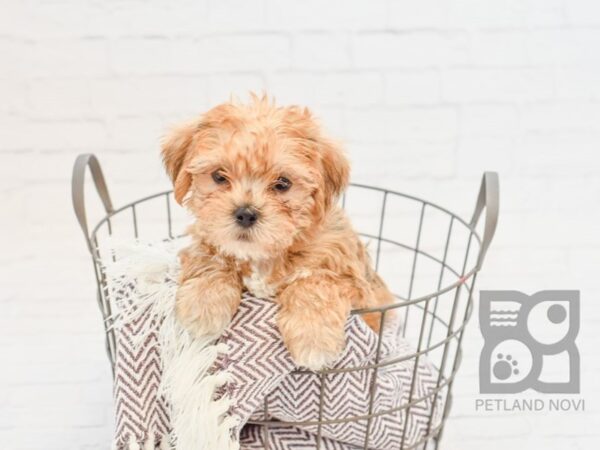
(245, 216)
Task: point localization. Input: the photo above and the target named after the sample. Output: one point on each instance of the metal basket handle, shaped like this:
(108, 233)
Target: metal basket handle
(488, 198)
(77, 190)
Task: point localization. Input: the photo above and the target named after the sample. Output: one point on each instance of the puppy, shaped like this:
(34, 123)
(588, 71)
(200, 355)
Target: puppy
(262, 182)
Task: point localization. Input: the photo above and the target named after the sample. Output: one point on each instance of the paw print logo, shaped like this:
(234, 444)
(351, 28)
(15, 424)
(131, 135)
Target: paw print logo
(510, 360)
(505, 367)
(527, 338)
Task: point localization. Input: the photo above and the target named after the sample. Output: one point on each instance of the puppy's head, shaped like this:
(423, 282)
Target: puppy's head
(256, 176)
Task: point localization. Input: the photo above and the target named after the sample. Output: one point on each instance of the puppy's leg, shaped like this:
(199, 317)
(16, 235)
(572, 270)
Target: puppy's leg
(209, 294)
(311, 320)
(381, 297)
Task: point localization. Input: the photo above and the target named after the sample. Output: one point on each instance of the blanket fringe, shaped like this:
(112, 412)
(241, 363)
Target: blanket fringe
(149, 272)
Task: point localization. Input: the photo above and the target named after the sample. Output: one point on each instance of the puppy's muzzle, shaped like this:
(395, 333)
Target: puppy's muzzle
(245, 216)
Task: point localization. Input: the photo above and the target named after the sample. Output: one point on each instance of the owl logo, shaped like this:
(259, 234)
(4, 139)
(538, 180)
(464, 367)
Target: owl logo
(529, 342)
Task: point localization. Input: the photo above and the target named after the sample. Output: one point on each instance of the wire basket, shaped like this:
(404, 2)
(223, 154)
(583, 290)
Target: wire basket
(428, 256)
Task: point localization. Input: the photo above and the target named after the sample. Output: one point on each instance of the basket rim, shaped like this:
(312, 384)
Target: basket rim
(461, 279)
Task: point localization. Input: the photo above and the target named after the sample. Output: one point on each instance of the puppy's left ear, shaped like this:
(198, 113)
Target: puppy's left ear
(336, 170)
(175, 152)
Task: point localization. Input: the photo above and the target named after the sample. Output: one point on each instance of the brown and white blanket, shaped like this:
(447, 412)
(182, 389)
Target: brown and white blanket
(175, 392)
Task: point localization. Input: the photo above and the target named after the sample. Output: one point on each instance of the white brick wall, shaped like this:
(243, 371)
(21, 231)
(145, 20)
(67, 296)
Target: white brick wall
(425, 94)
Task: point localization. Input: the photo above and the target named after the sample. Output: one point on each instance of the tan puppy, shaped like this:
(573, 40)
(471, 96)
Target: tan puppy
(262, 182)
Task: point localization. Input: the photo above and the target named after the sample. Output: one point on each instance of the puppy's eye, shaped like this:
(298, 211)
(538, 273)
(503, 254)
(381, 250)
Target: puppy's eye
(218, 177)
(282, 184)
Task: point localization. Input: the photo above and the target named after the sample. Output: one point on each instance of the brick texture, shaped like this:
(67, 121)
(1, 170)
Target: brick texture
(426, 96)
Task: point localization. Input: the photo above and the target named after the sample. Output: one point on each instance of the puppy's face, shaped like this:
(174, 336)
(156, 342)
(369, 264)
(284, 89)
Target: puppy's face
(257, 177)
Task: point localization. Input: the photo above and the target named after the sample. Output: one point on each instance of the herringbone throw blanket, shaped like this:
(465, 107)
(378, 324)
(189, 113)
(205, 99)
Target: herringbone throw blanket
(172, 391)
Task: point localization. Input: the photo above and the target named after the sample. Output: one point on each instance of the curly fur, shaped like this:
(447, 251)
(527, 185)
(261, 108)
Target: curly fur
(302, 251)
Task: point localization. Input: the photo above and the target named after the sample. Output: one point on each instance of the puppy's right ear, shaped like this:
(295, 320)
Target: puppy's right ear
(176, 155)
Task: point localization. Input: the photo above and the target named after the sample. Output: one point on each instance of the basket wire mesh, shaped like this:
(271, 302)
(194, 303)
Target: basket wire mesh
(428, 256)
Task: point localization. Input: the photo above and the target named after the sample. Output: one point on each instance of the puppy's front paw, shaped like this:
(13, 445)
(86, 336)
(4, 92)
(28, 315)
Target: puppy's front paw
(206, 308)
(315, 355)
(314, 343)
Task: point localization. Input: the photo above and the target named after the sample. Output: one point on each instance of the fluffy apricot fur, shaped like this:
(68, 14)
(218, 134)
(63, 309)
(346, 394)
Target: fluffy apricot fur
(298, 249)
